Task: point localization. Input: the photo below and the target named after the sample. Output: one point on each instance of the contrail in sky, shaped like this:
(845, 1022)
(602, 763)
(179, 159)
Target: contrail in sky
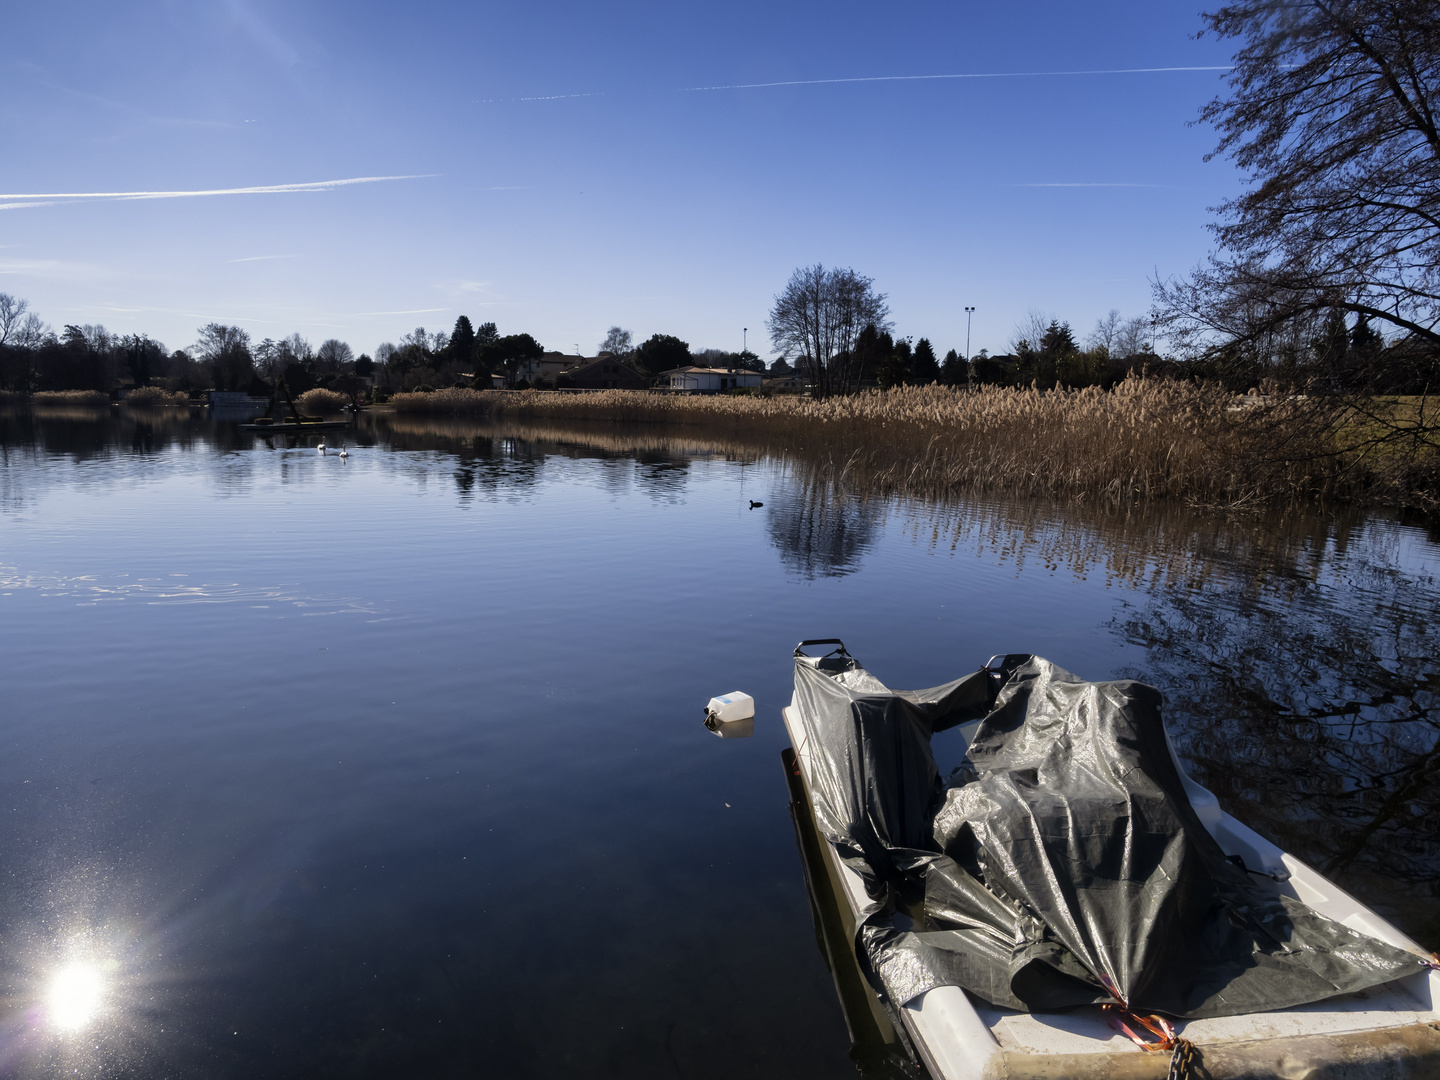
(270, 189)
(1088, 184)
(885, 78)
(965, 75)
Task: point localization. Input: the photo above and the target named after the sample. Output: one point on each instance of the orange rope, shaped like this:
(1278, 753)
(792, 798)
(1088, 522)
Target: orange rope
(1120, 1017)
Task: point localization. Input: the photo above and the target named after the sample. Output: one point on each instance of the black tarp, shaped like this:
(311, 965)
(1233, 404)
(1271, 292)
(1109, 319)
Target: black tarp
(1063, 864)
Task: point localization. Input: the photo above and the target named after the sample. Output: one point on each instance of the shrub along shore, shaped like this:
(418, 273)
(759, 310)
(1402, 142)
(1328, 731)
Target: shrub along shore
(1147, 438)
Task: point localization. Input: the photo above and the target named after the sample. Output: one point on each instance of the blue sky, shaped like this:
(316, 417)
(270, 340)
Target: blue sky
(566, 173)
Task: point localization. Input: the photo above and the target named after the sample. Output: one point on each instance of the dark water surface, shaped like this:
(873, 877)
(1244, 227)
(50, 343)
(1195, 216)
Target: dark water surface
(394, 765)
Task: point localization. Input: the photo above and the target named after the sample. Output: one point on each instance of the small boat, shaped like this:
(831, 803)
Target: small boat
(1069, 902)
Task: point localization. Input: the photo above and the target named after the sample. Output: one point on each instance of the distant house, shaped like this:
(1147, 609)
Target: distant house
(548, 365)
(786, 382)
(699, 380)
(605, 372)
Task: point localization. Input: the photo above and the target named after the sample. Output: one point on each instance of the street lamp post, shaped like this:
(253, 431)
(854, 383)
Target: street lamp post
(968, 312)
(744, 340)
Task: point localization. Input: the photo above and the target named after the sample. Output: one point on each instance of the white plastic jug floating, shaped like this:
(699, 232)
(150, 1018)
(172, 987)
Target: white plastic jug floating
(728, 708)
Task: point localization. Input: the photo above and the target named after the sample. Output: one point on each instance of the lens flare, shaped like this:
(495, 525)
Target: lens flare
(74, 996)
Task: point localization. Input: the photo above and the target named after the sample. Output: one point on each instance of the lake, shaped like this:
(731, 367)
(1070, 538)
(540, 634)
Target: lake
(394, 765)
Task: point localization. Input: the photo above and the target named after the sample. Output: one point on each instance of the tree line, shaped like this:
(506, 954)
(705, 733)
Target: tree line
(33, 357)
(839, 331)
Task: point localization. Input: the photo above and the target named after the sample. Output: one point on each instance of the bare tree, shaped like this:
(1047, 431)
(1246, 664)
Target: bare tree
(32, 332)
(1030, 332)
(12, 312)
(225, 350)
(618, 342)
(334, 354)
(1133, 337)
(1106, 330)
(1333, 114)
(297, 350)
(269, 357)
(819, 315)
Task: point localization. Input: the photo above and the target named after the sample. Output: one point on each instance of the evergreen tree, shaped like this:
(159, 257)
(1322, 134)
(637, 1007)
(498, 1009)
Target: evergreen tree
(895, 369)
(872, 348)
(923, 368)
(462, 342)
(1059, 355)
(954, 372)
(662, 352)
(1364, 339)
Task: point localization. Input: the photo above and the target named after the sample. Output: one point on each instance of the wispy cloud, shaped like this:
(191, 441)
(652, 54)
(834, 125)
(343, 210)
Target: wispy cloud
(51, 199)
(58, 269)
(260, 258)
(960, 75)
(412, 311)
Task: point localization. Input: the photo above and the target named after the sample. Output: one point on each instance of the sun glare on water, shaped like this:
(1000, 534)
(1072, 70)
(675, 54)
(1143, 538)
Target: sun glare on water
(75, 995)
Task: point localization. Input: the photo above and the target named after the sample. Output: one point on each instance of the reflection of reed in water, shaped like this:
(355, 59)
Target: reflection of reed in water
(1172, 545)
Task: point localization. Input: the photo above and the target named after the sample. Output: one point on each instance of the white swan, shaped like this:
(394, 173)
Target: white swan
(343, 452)
(321, 448)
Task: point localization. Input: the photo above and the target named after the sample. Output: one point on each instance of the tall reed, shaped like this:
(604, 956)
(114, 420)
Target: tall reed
(153, 396)
(1146, 439)
(69, 397)
(320, 400)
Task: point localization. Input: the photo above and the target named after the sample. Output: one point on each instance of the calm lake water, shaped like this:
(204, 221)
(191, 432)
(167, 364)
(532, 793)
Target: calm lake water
(394, 765)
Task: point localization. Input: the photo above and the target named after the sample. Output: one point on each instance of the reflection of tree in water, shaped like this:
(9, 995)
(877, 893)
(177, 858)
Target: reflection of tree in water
(662, 475)
(819, 531)
(492, 467)
(36, 444)
(1307, 702)
(1297, 652)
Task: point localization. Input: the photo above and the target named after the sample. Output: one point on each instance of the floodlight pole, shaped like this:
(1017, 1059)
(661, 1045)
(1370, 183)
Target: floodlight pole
(744, 339)
(968, 312)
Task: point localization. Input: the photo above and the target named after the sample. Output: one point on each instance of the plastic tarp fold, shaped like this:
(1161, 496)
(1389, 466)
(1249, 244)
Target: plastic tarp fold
(1063, 865)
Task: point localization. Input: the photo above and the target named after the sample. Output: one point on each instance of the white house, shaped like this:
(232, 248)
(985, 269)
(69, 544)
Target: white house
(701, 380)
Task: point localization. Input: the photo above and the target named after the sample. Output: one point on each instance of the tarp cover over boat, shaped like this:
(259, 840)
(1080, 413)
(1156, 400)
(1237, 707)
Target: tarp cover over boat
(1067, 867)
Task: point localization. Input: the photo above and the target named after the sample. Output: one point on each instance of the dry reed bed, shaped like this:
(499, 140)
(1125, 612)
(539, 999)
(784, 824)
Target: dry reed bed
(66, 397)
(1148, 438)
(155, 397)
(320, 400)
(143, 396)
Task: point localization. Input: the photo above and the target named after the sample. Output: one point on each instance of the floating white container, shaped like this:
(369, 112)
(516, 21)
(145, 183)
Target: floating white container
(731, 707)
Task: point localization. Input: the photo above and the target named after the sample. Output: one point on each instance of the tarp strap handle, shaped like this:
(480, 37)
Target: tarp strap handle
(800, 649)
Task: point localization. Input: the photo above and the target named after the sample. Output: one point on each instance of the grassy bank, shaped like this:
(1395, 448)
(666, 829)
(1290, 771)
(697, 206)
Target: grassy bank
(1146, 439)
